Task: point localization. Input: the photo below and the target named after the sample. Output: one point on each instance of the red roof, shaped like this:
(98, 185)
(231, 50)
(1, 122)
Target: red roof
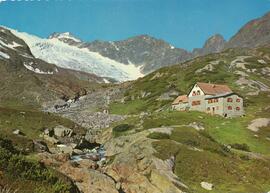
(180, 99)
(214, 89)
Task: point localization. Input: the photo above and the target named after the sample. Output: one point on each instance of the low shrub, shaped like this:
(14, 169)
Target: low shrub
(16, 165)
(157, 135)
(121, 128)
(243, 146)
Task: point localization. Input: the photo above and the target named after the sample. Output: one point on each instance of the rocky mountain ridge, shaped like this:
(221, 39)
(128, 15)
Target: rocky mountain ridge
(33, 81)
(150, 53)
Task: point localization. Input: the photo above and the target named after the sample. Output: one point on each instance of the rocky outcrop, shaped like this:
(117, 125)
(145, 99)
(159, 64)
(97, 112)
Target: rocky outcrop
(254, 33)
(82, 172)
(136, 169)
(256, 124)
(61, 131)
(87, 179)
(214, 44)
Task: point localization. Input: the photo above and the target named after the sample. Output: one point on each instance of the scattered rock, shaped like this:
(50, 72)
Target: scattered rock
(62, 157)
(50, 139)
(68, 149)
(256, 124)
(61, 131)
(77, 152)
(49, 132)
(40, 146)
(208, 67)
(89, 180)
(18, 132)
(207, 186)
(197, 126)
(156, 76)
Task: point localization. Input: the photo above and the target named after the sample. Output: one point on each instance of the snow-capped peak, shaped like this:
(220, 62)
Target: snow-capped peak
(65, 36)
(64, 55)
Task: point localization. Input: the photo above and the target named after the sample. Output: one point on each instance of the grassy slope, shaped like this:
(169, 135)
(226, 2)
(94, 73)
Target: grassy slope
(31, 122)
(233, 172)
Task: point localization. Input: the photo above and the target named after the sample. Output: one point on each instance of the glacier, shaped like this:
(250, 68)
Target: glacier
(67, 56)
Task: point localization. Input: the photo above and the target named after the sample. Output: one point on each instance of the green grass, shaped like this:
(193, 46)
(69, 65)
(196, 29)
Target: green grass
(130, 107)
(28, 175)
(211, 163)
(31, 122)
(157, 135)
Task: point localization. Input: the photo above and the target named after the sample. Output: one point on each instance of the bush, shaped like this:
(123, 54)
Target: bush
(243, 146)
(16, 165)
(157, 135)
(121, 128)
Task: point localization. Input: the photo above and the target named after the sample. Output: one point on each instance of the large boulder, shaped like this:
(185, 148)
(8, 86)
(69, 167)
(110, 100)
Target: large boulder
(61, 131)
(66, 148)
(133, 165)
(88, 180)
(40, 146)
(52, 140)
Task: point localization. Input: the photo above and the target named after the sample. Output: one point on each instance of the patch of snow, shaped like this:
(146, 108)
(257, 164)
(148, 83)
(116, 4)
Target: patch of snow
(36, 70)
(4, 55)
(13, 45)
(172, 47)
(71, 57)
(26, 55)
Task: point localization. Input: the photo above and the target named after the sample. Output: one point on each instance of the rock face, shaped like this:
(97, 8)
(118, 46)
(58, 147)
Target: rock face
(256, 124)
(254, 33)
(81, 172)
(61, 131)
(39, 81)
(89, 180)
(214, 44)
(135, 168)
(143, 50)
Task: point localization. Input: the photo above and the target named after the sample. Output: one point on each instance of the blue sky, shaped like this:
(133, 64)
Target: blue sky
(183, 23)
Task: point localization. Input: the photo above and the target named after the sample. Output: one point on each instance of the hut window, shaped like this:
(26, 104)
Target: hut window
(194, 103)
(238, 108)
(198, 92)
(229, 100)
(238, 100)
(229, 107)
